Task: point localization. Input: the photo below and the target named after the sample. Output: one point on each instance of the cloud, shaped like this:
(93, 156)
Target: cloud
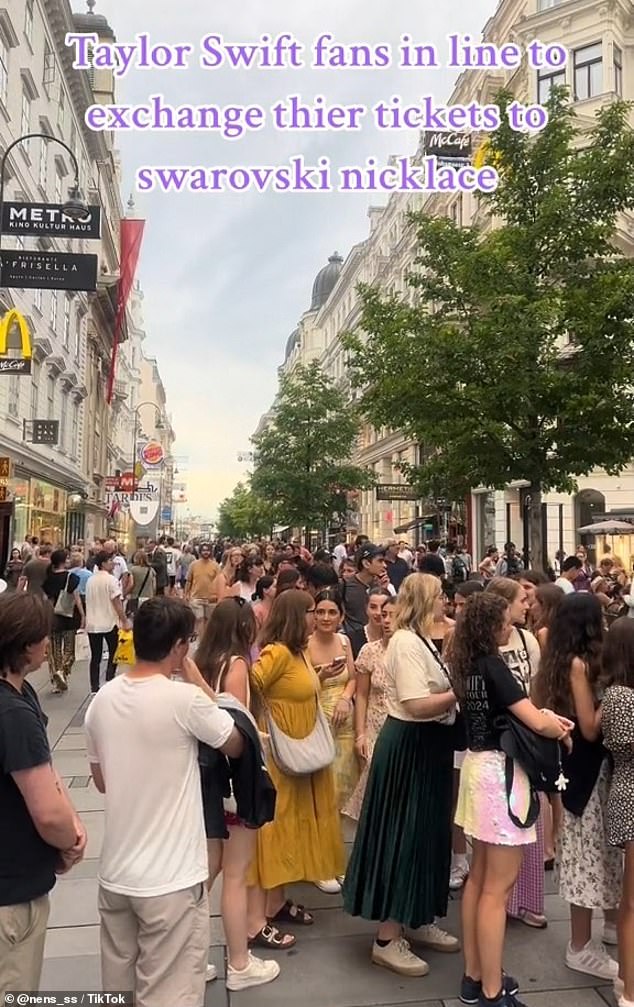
(226, 276)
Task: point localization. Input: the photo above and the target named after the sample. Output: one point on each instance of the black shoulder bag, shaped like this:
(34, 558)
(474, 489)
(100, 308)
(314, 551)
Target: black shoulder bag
(539, 757)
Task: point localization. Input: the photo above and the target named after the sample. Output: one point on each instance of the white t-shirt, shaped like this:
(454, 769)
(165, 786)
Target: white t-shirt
(101, 588)
(339, 553)
(173, 558)
(412, 672)
(565, 585)
(522, 656)
(120, 566)
(143, 733)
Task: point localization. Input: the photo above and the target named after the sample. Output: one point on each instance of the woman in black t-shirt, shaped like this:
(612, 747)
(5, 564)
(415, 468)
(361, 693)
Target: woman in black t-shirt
(486, 688)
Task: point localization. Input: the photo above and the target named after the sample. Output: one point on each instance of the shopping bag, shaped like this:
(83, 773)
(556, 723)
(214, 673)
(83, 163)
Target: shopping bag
(125, 648)
(82, 646)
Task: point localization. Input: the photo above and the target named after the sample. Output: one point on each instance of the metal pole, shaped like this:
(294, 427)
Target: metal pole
(21, 139)
(136, 417)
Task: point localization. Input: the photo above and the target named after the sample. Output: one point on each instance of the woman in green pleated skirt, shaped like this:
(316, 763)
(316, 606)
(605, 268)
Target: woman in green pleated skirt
(398, 872)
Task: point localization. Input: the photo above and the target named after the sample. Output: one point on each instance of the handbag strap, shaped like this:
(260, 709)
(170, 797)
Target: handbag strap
(144, 583)
(437, 658)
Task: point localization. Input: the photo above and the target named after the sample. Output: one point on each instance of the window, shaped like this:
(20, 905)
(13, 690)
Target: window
(28, 21)
(14, 395)
(74, 432)
(77, 336)
(4, 71)
(73, 137)
(25, 119)
(48, 72)
(61, 108)
(547, 81)
(588, 70)
(67, 321)
(456, 211)
(54, 310)
(63, 417)
(35, 383)
(37, 300)
(618, 70)
(58, 188)
(50, 395)
(43, 173)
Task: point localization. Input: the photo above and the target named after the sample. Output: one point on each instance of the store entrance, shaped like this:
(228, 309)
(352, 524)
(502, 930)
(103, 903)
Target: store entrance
(6, 513)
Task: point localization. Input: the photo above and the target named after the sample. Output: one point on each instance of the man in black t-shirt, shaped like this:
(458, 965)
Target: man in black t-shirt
(397, 568)
(432, 562)
(41, 833)
(370, 564)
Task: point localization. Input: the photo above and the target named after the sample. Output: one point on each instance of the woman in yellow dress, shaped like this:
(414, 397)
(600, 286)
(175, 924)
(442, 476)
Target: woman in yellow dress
(304, 841)
(331, 656)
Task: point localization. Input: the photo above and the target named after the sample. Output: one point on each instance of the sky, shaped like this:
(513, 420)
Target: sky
(226, 277)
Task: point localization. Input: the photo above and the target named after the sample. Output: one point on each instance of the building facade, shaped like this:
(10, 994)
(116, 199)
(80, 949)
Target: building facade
(600, 40)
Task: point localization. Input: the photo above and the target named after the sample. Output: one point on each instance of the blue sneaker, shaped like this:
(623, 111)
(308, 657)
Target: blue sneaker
(471, 989)
(505, 999)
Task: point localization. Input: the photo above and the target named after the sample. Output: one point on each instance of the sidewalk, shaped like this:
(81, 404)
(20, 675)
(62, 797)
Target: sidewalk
(330, 965)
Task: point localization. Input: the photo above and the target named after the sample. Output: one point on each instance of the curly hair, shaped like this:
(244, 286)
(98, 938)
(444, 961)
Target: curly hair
(576, 630)
(476, 635)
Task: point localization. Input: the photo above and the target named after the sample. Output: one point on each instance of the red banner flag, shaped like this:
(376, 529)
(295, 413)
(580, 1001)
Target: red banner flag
(131, 236)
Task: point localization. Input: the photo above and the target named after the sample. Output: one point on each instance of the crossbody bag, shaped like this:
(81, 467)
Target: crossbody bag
(301, 756)
(458, 728)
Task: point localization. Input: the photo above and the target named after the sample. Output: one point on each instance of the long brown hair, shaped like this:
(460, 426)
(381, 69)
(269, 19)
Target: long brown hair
(550, 597)
(575, 631)
(287, 621)
(476, 635)
(617, 658)
(229, 633)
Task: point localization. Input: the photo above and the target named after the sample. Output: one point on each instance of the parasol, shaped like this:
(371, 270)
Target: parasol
(607, 528)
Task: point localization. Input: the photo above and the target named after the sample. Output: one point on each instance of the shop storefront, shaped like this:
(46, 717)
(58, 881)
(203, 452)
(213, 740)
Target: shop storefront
(47, 511)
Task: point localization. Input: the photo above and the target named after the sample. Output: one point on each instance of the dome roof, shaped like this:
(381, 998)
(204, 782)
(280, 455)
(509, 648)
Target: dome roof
(91, 23)
(291, 343)
(325, 281)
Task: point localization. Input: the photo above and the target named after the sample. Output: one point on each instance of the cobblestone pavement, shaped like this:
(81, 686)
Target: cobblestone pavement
(330, 965)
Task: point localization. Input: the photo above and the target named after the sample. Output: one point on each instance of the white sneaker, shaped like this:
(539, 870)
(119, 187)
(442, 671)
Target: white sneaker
(458, 875)
(211, 973)
(257, 972)
(432, 937)
(398, 957)
(593, 960)
(610, 935)
(331, 887)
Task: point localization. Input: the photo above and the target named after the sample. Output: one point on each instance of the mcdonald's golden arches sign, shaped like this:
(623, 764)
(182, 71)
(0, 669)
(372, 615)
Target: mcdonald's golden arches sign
(13, 320)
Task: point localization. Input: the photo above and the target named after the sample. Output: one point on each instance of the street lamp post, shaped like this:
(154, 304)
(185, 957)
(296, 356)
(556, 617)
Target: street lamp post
(158, 426)
(73, 207)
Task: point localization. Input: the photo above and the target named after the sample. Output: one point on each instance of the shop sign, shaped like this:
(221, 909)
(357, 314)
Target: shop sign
(4, 493)
(166, 515)
(5, 468)
(49, 220)
(152, 454)
(143, 512)
(123, 482)
(396, 491)
(45, 432)
(15, 365)
(48, 270)
(449, 148)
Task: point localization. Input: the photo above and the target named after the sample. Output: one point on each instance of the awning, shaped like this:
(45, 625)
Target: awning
(281, 528)
(417, 522)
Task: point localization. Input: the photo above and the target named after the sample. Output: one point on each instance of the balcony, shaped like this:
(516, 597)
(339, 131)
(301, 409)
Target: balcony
(121, 390)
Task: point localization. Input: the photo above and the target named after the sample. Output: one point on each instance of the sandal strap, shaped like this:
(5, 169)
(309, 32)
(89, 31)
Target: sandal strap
(272, 934)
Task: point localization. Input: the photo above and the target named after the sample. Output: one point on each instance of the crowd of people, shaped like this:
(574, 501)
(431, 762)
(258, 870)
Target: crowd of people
(473, 723)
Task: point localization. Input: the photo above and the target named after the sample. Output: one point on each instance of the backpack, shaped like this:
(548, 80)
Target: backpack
(539, 757)
(458, 571)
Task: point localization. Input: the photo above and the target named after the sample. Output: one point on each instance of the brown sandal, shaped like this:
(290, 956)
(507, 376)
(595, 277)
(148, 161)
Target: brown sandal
(270, 937)
(293, 913)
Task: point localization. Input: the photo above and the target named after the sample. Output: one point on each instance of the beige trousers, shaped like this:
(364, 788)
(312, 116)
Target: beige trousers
(22, 936)
(156, 946)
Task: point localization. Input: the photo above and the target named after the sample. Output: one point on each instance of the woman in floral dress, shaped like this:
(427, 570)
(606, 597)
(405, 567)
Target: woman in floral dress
(370, 710)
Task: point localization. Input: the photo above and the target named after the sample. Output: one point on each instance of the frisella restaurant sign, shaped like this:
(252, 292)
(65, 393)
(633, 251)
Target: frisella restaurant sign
(49, 220)
(48, 270)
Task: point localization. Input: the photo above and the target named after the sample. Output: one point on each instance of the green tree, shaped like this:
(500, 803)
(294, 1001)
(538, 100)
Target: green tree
(303, 457)
(245, 515)
(516, 360)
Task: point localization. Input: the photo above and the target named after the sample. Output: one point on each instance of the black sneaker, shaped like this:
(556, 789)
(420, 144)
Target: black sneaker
(505, 999)
(471, 989)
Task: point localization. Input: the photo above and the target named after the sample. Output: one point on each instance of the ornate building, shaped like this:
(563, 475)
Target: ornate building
(600, 39)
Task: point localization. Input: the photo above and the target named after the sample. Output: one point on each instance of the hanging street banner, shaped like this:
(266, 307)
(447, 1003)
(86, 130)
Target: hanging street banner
(15, 365)
(41, 220)
(48, 270)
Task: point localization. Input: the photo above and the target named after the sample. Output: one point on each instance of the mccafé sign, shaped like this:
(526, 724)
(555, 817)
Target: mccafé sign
(13, 320)
(448, 147)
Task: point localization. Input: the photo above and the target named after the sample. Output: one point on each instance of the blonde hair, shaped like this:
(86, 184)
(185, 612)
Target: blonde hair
(505, 588)
(415, 603)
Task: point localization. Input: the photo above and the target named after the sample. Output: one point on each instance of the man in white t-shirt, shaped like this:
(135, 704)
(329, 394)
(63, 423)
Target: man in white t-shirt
(172, 558)
(570, 570)
(142, 732)
(119, 565)
(339, 553)
(104, 615)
